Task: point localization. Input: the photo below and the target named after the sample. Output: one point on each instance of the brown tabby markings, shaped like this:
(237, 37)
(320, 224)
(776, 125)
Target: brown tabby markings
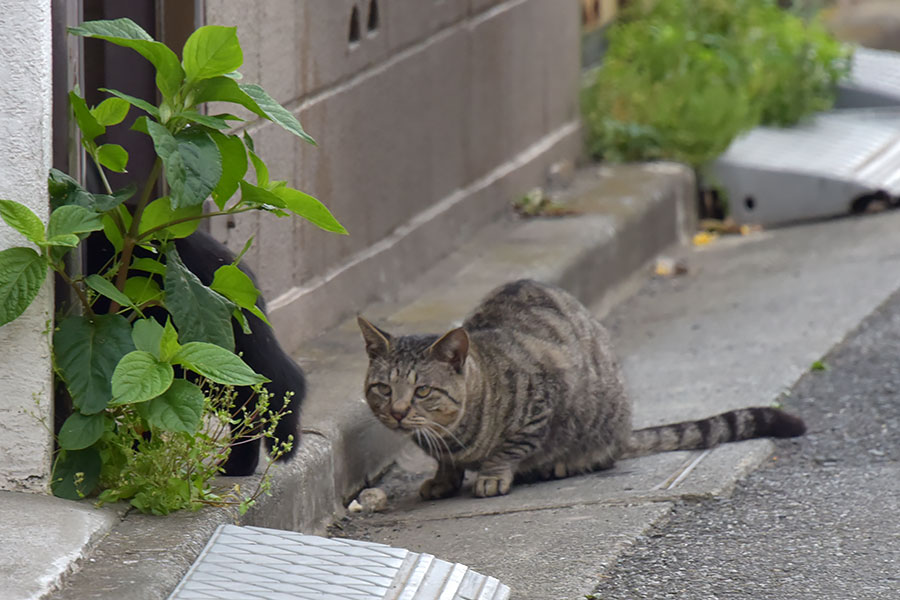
(528, 387)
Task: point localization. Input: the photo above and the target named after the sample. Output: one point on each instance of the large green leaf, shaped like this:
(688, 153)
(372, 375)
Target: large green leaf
(75, 473)
(211, 51)
(70, 221)
(216, 364)
(169, 345)
(253, 98)
(142, 290)
(275, 112)
(179, 408)
(73, 219)
(80, 431)
(160, 211)
(113, 156)
(259, 196)
(90, 128)
(262, 171)
(106, 288)
(136, 102)
(237, 286)
(61, 241)
(125, 32)
(147, 335)
(211, 121)
(86, 354)
(111, 111)
(304, 205)
(148, 265)
(139, 377)
(111, 230)
(192, 163)
(22, 272)
(22, 219)
(234, 166)
(200, 314)
(66, 191)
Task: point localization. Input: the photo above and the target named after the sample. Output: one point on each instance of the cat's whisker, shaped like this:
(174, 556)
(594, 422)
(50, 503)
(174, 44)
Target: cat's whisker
(443, 442)
(450, 433)
(434, 448)
(423, 441)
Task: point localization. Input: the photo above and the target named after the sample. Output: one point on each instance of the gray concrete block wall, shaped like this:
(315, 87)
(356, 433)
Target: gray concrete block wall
(427, 127)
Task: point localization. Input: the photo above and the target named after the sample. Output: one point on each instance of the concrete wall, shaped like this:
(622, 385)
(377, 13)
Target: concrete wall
(25, 370)
(427, 127)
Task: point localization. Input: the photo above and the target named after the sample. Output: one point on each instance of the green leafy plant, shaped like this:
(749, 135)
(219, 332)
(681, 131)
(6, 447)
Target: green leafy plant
(145, 390)
(682, 78)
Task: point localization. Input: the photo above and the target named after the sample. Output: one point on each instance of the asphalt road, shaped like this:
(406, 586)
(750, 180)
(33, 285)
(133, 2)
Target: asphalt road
(821, 520)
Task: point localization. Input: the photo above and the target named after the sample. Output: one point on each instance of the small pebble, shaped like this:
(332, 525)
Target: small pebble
(354, 507)
(373, 499)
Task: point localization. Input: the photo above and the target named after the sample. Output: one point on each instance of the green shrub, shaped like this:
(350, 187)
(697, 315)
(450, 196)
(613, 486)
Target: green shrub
(682, 78)
(143, 428)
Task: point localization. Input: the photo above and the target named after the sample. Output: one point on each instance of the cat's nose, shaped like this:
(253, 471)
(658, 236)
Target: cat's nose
(399, 412)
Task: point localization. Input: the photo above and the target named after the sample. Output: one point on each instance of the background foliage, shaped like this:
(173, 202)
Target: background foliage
(682, 78)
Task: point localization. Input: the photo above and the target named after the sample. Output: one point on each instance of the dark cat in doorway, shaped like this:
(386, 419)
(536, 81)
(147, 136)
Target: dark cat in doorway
(202, 255)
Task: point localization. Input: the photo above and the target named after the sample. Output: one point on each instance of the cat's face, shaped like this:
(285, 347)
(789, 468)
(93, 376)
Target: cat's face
(416, 383)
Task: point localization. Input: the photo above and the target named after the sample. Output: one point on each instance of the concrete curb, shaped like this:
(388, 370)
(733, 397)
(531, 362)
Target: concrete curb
(630, 213)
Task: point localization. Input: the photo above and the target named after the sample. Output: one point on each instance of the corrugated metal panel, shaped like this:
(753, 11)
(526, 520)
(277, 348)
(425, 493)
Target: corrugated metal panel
(253, 562)
(874, 80)
(817, 169)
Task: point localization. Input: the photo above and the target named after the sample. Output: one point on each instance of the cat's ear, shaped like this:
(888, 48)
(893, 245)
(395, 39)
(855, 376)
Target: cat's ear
(452, 348)
(378, 342)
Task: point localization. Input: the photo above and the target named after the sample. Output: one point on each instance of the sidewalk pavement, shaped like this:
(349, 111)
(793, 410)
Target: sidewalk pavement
(53, 548)
(750, 317)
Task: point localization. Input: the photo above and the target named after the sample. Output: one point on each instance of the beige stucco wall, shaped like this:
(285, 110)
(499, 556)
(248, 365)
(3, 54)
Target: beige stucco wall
(427, 127)
(25, 370)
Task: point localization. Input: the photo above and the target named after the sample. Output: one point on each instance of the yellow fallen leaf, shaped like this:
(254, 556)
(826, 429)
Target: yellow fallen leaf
(704, 237)
(665, 267)
(748, 229)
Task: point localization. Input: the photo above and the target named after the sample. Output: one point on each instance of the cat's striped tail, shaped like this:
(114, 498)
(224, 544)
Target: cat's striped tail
(732, 426)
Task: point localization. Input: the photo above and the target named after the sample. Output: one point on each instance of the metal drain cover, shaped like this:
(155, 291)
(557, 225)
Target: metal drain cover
(242, 563)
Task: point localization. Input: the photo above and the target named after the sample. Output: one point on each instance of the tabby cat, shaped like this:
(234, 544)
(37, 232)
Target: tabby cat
(528, 388)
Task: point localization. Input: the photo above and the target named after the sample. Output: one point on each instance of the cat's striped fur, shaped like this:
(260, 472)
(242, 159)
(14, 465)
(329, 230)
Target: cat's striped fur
(528, 387)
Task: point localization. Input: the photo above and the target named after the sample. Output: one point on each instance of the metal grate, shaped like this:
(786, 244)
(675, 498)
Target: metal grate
(255, 563)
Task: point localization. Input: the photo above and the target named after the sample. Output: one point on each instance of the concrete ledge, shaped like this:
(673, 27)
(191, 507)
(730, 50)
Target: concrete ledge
(45, 541)
(630, 214)
(425, 238)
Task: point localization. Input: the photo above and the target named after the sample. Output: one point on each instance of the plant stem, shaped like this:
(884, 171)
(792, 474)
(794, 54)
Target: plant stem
(114, 213)
(102, 176)
(78, 291)
(130, 239)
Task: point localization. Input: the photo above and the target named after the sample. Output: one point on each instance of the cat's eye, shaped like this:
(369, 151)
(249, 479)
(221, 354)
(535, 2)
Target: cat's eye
(423, 391)
(382, 388)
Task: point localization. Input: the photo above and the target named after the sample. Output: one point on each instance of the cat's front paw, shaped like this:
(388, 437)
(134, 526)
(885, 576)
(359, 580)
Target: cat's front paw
(493, 484)
(435, 489)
